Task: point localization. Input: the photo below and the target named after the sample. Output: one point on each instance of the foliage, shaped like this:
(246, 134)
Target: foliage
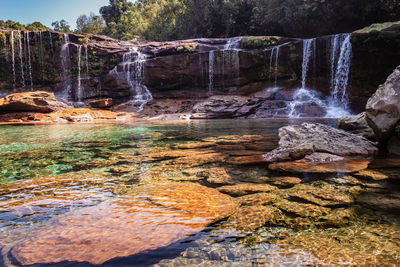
(85, 40)
(36, 26)
(178, 19)
(93, 24)
(11, 25)
(61, 26)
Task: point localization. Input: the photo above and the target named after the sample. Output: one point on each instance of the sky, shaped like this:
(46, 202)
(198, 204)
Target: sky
(48, 11)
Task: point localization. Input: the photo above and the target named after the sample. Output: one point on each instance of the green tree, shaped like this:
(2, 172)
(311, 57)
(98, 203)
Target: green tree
(93, 24)
(61, 26)
(36, 26)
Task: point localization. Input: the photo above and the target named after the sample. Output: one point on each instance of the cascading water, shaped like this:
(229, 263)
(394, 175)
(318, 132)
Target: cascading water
(13, 57)
(232, 47)
(26, 37)
(65, 64)
(87, 60)
(340, 69)
(135, 77)
(210, 72)
(274, 69)
(340, 58)
(79, 86)
(303, 95)
(21, 59)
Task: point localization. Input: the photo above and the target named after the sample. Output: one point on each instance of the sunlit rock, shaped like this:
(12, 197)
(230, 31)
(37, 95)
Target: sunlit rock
(321, 163)
(245, 189)
(148, 218)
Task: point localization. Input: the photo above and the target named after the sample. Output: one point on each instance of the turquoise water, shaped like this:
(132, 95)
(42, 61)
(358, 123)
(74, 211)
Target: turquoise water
(52, 174)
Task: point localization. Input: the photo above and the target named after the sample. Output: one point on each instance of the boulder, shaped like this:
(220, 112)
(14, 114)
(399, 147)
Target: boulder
(298, 141)
(383, 108)
(224, 107)
(39, 101)
(101, 103)
(357, 125)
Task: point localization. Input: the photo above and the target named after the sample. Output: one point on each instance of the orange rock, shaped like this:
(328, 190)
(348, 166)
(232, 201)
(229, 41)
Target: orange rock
(218, 176)
(245, 189)
(254, 159)
(322, 163)
(153, 216)
(39, 101)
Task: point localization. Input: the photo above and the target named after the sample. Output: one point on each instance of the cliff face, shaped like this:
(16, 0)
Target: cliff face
(83, 67)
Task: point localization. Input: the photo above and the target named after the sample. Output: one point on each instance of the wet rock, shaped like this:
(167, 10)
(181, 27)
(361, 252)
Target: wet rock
(245, 189)
(379, 174)
(247, 160)
(223, 107)
(123, 169)
(302, 209)
(217, 176)
(393, 146)
(321, 163)
(257, 199)
(385, 202)
(383, 108)
(296, 142)
(385, 163)
(31, 102)
(357, 125)
(281, 181)
(249, 218)
(153, 217)
(101, 103)
(194, 145)
(327, 195)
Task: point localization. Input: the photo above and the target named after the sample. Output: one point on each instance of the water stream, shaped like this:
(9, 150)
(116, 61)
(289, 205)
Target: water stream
(79, 86)
(133, 65)
(211, 72)
(13, 58)
(26, 37)
(21, 59)
(66, 66)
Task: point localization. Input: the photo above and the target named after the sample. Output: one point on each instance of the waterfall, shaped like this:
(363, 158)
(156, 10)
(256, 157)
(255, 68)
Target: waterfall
(13, 57)
(51, 41)
(87, 60)
(26, 37)
(65, 65)
(135, 77)
(232, 46)
(342, 70)
(21, 59)
(41, 54)
(79, 87)
(274, 69)
(304, 96)
(210, 72)
(307, 53)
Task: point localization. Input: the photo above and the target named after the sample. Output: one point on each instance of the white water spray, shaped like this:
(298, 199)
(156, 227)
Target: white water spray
(210, 72)
(13, 57)
(65, 64)
(26, 36)
(79, 87)
(21, 59)
(134, 72)
(274, 68)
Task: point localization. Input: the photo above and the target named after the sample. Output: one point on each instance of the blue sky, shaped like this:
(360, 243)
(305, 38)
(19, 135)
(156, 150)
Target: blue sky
(47, 11)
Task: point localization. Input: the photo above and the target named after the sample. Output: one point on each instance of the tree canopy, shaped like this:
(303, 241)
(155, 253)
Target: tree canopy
(93, 24)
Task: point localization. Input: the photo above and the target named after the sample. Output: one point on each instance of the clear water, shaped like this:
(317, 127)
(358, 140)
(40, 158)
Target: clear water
(55, 174)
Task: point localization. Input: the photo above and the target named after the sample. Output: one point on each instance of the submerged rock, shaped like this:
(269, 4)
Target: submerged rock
(245, 189)
(31, 102)
(383, 108)
(250, 218)
(150, 217)
(296, 142)
(321, 163)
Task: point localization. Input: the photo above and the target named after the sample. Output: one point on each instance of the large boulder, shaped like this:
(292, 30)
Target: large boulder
(357, 125)
(298, 141)
(38, 101)
(383, 108)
